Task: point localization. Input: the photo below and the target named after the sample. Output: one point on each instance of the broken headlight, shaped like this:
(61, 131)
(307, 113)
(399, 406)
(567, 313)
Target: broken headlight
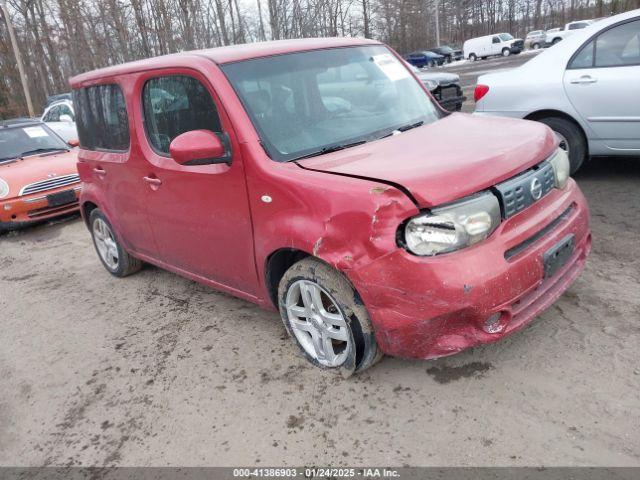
(454, 226)
(561, 167)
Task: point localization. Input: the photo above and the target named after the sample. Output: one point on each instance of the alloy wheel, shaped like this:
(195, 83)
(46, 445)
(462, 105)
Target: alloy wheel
(105, 243)
(318, 324)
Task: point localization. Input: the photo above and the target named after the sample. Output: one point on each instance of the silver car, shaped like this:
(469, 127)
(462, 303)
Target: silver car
(60, 117)
(535, 39)
(586, 88)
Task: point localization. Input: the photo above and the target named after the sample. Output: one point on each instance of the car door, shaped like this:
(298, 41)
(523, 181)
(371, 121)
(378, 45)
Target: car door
(602, 84)
(111, 162)
(199, 214)
(496, 45)
(67, 123)
(52, 118)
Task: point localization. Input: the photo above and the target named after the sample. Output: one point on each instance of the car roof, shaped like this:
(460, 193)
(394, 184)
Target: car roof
(222, 55)
(18, 122)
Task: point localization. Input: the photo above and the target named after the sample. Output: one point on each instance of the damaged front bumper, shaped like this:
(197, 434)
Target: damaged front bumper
(428, 307)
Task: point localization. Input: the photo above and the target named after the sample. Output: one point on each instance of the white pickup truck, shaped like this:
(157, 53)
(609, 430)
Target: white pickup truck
(554, 35)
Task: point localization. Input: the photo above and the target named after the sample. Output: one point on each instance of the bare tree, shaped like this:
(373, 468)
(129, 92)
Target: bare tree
(65, 37)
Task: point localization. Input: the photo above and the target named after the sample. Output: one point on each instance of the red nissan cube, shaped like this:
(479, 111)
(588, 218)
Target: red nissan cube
(320, 178)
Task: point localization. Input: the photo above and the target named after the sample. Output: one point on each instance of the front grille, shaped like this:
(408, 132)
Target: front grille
(518, 44)
(519, 192)
(50, 184)
(449, 92)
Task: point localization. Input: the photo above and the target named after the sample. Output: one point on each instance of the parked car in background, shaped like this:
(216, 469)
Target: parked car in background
(57, 97)
(448, 53)
(370, 225)
(445, 87)
(556, 35)
(536, 39)
(60, 117)
(498, 44)
(586, 89)
(425, 58)
(38, 175)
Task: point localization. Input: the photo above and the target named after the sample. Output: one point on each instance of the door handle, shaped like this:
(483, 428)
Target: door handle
(153, 181)
(584, 79)
(101, 172)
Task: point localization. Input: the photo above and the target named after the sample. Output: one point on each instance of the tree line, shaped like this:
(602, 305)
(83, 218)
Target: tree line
(60, 38)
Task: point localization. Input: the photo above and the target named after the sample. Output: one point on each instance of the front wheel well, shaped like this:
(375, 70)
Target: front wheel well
(87, 208)
(276, 265)
(540, 114)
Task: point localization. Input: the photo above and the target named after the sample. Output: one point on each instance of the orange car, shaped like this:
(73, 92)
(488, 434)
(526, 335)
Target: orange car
(38, 174)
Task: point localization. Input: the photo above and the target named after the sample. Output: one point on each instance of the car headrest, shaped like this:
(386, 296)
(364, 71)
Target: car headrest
(259, 101)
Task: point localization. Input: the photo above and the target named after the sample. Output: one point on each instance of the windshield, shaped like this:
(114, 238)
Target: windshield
(16, 142)
(505, 37)
(312, 102)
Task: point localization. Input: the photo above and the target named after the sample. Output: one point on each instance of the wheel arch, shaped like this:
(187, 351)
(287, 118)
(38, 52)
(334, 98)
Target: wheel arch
(276, 264)
(86, 209)
(540, 114)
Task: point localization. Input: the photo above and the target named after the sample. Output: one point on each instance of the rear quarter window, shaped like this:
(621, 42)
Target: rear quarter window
(101, 118)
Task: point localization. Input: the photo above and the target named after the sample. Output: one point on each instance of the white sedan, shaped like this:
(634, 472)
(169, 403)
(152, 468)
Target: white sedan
(586, 88)
(60, 117)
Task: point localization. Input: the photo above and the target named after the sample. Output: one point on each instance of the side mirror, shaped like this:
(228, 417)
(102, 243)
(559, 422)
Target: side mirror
(66, 118)
(198, 147)
(73, 143)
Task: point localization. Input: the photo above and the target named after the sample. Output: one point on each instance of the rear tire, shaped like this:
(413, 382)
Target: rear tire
(109, 249)
(332, 306)
(574, 138)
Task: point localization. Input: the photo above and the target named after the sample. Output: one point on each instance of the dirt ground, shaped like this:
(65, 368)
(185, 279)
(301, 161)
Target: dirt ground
(158, 370)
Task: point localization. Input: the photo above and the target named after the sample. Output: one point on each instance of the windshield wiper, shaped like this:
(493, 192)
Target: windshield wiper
(404, 128)
(332, 148)
(41, 150)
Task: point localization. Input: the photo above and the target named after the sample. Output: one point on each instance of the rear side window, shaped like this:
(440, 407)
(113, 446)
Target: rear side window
(174, 105)
(619, 46)
(101, 118)
(584, 58)
(53, 115)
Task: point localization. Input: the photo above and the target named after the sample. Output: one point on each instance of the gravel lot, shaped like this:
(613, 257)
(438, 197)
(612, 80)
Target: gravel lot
(158, 370)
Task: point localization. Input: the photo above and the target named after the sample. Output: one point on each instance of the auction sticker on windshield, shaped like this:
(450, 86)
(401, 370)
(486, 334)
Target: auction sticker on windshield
(390, 66)
(35, 132)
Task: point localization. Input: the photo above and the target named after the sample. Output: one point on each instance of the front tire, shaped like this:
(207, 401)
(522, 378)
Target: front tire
(326, 318)
(110, 251)
(506, 52)
(535, 46)
(571, 140)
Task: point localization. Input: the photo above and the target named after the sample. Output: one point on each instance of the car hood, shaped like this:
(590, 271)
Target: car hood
(445, 160)
(37, 167)
(440, 78)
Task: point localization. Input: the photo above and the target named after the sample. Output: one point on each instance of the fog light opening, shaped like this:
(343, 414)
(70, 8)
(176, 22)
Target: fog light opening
(495, 323)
